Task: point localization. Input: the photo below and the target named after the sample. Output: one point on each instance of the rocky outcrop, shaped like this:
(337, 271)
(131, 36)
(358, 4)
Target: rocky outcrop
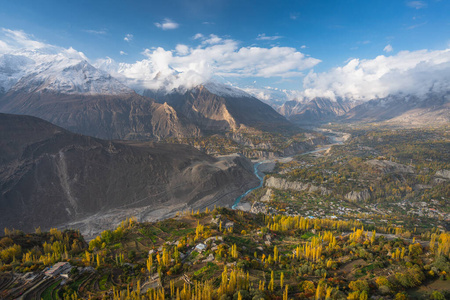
(283, 184)
(387, 166)
(443, 174)
(295, 148)
(360, 196)
(52, 177)
(267, 196)
(269, 150)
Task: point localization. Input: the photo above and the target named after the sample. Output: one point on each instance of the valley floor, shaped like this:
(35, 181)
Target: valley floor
(365, 218)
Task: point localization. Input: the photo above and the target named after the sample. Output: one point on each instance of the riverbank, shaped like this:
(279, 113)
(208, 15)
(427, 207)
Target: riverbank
(267, 165)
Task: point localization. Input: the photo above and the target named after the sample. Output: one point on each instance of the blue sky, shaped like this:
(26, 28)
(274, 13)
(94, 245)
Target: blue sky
(330, 31)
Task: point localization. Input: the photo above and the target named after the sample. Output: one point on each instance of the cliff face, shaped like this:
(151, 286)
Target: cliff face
(52, 177)
(355, 196)
(283, 184)
(213, 111)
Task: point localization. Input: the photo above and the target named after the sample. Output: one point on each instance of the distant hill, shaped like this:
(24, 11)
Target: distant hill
(402, 110)
(318, 110)
(431, 109)
(52, 177)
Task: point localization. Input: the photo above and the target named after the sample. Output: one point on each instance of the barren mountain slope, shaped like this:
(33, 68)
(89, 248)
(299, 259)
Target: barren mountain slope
(51, 177)
(214, 107)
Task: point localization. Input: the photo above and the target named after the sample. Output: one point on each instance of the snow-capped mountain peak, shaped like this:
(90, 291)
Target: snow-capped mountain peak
(216, 88)
(66, 71)
(71, 77)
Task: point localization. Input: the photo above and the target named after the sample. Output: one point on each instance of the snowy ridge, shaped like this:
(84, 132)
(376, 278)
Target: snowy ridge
(80, 78)
(224, 90)
(273, 96)
(216, 88)
(65, 72)
(12, 68)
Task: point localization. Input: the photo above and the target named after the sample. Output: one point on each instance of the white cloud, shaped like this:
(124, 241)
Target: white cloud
(123, 53)
(3, 47)
(182, 49)
(213, 39)
(388, 48)
(272, 95)
(198, 36)
(294, 16)
(303, 47)
(96, 32)
(417, 4)
(167, 24)
(128, 37)
(190, 66)
(416, 72)
(18, 43)
(264, 37)
(20, 40)
(416, 25)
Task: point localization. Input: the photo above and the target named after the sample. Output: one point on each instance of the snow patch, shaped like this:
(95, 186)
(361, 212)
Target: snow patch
(224, 90)
(12, 68)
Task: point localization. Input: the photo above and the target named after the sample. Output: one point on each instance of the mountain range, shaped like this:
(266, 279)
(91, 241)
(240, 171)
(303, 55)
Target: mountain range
(70, 92)
(399, 110)
(316, 110)
(63, 88)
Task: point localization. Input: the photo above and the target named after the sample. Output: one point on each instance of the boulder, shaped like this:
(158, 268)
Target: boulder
(443, 174)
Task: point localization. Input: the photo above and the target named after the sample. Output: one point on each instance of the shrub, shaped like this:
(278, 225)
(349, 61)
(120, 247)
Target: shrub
(437, 296)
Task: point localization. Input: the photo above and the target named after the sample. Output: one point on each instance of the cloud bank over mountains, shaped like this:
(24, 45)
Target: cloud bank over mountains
(415, 72)
(408, 73)
(189, 66)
